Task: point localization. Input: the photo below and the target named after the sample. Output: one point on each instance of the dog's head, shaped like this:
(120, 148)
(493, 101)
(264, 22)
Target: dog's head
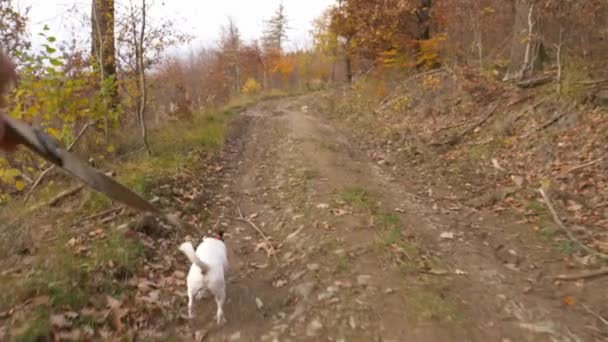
(218, 234)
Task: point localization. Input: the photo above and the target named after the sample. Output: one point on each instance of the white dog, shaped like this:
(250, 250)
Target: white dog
(207, 272)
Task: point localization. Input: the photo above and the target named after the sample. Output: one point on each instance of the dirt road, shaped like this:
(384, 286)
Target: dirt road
(355, 253)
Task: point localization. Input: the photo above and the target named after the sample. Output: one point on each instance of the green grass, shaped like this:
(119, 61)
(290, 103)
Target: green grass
(73, 281)
(343, 264)
(309, 174)
(38, 328)
(567, 247)
(359, 197)
(426, 303)
(328, 146)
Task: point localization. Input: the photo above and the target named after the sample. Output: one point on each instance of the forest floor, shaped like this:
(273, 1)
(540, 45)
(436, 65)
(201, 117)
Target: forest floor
(359, 252)
(354, 249)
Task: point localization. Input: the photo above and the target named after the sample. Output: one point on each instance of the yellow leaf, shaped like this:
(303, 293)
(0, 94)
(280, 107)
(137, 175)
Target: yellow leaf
(544, 183)
(19, 185)
(110, 149)
(53, 132)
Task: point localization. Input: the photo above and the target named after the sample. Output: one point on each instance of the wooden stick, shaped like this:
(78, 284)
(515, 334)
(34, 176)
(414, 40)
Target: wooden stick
(458, 137)
(587, 164)
(94, 216)
(64, 194)
(46, 171)
(583, 275)
(595, 314)
(569, 232)
(387, 101)
(550, 122)
(254, 226)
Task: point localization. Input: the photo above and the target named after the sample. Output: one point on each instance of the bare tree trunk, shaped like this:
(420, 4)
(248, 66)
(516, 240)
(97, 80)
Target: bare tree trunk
(103, 52)
(558, 48)
(423, 22)
(349, 69)
(139, 55)
(348, 61)
(525, 57)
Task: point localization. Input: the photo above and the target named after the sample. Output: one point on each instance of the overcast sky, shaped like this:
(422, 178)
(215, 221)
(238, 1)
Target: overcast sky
(200, 18)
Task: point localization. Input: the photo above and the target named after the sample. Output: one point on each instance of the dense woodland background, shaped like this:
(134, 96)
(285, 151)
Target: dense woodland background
(472, 106)
(125, 79)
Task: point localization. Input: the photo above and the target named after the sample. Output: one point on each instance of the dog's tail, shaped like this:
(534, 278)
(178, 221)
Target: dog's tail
(188, 250)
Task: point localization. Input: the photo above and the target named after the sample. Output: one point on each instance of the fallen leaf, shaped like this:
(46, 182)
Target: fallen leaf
(496, 165)
(518, 180)
(338, 212)
(115, 318)
(113, 302)
(573, 206)
(437, 271)
(59, 321)
(569, 301)
(279, 283)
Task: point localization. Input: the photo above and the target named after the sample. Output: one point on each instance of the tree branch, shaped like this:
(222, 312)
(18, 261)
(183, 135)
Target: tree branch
(569, 232)
(46, 171)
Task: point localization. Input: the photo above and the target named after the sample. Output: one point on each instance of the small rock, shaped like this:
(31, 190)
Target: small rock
(298, 311)
(447, 235)
(314, 328)
(297, 275)
(303, 290)
(280, 283)
(259, 303)
(199, 335)
(352, 323)
(363, 279)
(322, 206)
(389, 291)
(328, 293)
(313, 267)
(235, 337)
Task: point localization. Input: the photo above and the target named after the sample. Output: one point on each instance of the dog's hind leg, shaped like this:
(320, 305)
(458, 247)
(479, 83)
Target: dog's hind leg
(220, 298)
(190, 304)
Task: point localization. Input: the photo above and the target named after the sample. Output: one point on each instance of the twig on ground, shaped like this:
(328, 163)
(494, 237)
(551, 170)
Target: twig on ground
(51, 168)
(242, 218)
(534, 82)
(387, 100)
(64, 194)
(576, 168)
(595, 314)
(453, 140)
(569, 232)
(94, 216)
(550, 122)
(583, 275)
(462, 123)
